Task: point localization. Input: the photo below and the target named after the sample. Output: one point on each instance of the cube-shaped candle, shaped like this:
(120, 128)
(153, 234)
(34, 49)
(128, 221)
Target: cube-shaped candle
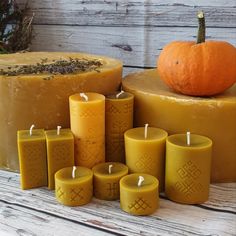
(60, 152)
(32, 157)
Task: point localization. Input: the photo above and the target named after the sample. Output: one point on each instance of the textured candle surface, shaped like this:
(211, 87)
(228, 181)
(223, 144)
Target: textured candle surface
(139, 200)
(119, 118)
(87, 119)
(213, 117)
(60, 152)
(76, 191)
(42, 98)
(32, 157)
(188, 168)
(106, 185)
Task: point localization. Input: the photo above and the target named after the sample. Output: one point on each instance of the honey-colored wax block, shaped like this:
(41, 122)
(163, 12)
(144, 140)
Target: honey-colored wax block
(60, 152)
(106, 180)
(119, 118)
(42, 98)
(188, 168)
(213, 117)
(74, 186)
(87, 119)
(32, 157)
(146, 154)
(139, 194)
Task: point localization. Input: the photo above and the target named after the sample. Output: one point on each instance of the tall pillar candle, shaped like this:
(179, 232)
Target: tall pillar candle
(145, 151)
(60, 152)
(119, 118)
(188, 165)
(87, 119)
(32, 158)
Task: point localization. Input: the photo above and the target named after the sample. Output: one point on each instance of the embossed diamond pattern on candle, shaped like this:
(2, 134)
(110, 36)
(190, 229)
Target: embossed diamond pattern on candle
(76, 194)
(139, 204)
(144, 162)
(59, 192)
(113, 189)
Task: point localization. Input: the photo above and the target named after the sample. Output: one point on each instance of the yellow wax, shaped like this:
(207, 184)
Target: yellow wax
(146, 155)
(119, 118)
(32, 158)
(188, 168)
(106, 185)
(60, 152)
(42, 98)
(76, 191)
(87, 119)
(139, 200)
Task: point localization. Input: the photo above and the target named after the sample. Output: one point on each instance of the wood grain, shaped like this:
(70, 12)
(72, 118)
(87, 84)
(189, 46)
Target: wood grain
(217, 216)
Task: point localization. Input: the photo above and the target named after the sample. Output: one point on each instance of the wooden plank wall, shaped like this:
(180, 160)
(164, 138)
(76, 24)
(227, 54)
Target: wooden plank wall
(132, 30)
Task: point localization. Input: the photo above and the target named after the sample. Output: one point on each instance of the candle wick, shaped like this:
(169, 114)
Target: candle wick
(145, 131)
(83, 95)
(118, 94)
(188, 139)
(109, 168)
(58, 129)
(73, 172)
(31, 129)
(140, 180)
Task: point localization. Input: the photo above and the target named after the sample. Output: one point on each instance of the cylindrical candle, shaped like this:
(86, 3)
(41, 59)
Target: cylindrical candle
(188, 165)
(74, 186)
(145, 152)
(139, 194)
(87, 119)
(106, 180)
(119, 118)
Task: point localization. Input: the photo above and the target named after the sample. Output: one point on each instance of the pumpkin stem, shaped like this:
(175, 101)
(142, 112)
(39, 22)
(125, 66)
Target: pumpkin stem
(201, 27)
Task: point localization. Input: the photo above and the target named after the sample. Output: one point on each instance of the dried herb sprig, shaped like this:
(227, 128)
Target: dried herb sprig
(72, 65)
(15, 27)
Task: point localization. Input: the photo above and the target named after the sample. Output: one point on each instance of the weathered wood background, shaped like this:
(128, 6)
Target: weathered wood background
(134, 31)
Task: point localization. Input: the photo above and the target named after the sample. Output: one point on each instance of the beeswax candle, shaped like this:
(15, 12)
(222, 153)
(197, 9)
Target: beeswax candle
(139, 194)
(188, 165)
(87, 119)
(32, 157)
(106, 180)
(60, 152)
(74, 186)
(145, 152)
(157, 105)
(119, 118)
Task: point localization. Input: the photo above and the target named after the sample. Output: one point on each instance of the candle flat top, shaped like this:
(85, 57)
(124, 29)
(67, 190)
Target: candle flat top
(152, 134)
(92, 98)
(123, 96)
(64, 134)
(36, 134)
(196, 141)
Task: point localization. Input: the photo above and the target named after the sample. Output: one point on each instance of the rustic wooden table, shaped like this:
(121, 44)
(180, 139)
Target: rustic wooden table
(36, 212)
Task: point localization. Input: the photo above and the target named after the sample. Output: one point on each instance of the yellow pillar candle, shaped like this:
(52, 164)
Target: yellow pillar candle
(139, 194)
(145, 151)
(188, 165)
(32, 158)
(60, 152)
(87, 119)
(106, 180)
(119, 118)
(74, 186)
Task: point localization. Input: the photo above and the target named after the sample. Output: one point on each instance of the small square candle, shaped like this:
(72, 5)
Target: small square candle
(32, 157)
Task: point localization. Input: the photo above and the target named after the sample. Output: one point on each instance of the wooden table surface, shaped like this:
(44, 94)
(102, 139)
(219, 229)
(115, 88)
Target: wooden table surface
(36, 212)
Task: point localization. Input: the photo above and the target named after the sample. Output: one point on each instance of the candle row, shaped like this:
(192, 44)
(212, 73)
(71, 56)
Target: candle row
(138, 193)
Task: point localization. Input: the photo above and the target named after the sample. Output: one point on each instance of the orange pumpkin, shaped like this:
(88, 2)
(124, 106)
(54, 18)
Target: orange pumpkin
(198, 69)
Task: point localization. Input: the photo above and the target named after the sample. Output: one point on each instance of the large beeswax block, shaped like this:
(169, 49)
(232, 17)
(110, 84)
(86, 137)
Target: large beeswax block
(60, 152)
(42, 98)
(32, 157)
(214, 117)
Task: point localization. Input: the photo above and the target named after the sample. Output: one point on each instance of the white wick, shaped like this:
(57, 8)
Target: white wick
(140, 180)
(58, 129)
(118, 94)
(109, 168)
(83, 95)
(73, 172)
(145, 131)
(31, 129)
(188, 138)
